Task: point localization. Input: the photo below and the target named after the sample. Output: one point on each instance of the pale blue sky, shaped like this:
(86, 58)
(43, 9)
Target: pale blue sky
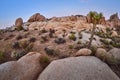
(12, 9)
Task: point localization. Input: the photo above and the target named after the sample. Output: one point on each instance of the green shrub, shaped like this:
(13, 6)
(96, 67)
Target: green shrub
(18, 37)
(19, 28)
(43, 30)
(1, 56)
(71, 46)
(18, 54)
(29, 48)
(108, 29)
(23, 43)
(43, 39)
(49, 51)
(72, 37)
(106, 42)
(44, 61)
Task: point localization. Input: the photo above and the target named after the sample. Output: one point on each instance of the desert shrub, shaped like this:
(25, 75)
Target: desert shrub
(1, 56)
(72, 37)
(32, 39)
(18, 54)
(49, 51)
(43, 39)
(23, 43)
(44, 61)
(108, 29)
(51, 32)
(43, 30)
(19, 28)
(15, 45)
(115, 42)
(106, 42)
(60, 40)
(1, 31)
(118, 29)
(70, 46)
(29, 48)
(18, 37)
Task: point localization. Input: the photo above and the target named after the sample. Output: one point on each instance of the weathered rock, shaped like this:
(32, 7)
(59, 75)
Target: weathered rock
(84, 52)
(26, 68)
(114, 19)
(114, 33)
(101, 53)
(114, 56)
(89, 20)
(102, 21)
(36, 17)
(78, 68)
(19, 23)
(37, 25)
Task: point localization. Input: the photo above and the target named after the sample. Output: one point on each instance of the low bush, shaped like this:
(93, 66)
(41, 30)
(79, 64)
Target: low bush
(70, 46)
(1, 56)
(72, 37)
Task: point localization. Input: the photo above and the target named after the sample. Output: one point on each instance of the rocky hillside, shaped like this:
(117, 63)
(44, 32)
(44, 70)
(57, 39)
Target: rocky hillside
(30, 47)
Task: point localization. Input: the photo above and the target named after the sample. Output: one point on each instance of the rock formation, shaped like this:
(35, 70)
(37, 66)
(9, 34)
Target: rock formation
(114, 19)
(78, 68)
(37, 17)
(19, 23)
(26, 68)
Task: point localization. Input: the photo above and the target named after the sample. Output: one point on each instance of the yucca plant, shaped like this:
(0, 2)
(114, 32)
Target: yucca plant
(95, 19)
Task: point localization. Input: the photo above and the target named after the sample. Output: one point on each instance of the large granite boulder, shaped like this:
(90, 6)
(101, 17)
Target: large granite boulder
(26, 68)
(78, 68)
(37, 17)
(113, 56)
(19, 23)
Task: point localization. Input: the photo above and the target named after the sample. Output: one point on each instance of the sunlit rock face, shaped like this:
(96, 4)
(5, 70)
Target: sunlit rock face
(36, 17)
(114, 20)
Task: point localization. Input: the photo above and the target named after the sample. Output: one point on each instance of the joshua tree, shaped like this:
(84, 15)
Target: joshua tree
(95, 18)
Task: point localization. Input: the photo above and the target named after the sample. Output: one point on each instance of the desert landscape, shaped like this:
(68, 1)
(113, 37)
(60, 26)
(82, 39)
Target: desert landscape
(76, 47)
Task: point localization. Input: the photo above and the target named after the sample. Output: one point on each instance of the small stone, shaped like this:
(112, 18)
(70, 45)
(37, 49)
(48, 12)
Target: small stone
(84, 52)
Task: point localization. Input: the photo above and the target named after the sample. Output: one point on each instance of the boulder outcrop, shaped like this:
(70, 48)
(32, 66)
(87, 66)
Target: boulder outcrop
(19, 23)
(78, 68)
(114, 20)
(26, 68)
(37, 17)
